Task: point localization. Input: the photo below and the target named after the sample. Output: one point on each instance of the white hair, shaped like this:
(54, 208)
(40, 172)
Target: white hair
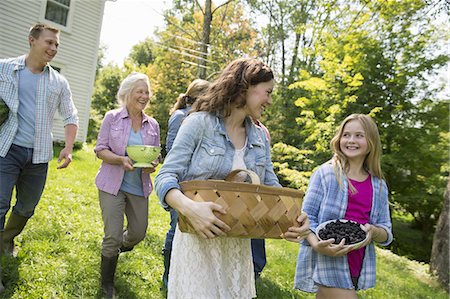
(128, 84)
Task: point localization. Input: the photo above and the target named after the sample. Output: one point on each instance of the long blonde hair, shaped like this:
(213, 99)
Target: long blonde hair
(194, 90)
(372, 162)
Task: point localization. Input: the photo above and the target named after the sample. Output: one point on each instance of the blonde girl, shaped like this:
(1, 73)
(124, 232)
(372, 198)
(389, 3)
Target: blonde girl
(349, 186)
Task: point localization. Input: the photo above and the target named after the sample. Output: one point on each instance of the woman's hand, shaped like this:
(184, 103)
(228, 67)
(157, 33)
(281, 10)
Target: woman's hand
(127, 163)
(203, 219)
(152, 168)
(300, 231)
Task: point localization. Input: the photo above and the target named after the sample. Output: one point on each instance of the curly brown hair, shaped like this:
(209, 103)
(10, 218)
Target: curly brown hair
(230, 88)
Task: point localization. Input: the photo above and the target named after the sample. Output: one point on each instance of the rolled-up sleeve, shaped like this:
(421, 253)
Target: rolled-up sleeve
(103, 134)
(384, 220)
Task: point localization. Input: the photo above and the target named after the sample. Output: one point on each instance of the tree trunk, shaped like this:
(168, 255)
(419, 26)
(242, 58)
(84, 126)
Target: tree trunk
(207, 18)
(439, 263)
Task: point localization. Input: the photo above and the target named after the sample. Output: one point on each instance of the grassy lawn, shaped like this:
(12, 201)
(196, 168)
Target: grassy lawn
(59, 254)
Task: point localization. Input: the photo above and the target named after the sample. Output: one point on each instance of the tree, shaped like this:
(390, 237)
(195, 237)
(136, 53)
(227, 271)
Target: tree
(142, 53)
(440, 252)
(176, 51)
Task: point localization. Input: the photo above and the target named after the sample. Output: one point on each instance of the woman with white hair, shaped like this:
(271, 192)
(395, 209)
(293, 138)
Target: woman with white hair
(124, 189)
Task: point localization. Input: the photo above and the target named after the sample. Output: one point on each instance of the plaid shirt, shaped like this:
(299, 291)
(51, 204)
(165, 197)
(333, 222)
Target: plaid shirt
(53, 93)
(326, 200)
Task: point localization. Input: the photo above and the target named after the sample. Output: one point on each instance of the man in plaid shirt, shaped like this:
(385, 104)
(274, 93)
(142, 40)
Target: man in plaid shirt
(33, 91)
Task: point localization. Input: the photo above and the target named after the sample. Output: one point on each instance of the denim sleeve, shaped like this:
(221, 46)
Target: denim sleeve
(178, 160)
(172, 130)
(384, 220)
(103, 134)
(270, 177)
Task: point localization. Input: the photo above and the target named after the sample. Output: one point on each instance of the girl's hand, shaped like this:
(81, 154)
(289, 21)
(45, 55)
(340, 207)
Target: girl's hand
(300, 231)
(127, 164)
(152, 168)
(206, 224)
(370, 233)
(327, 247)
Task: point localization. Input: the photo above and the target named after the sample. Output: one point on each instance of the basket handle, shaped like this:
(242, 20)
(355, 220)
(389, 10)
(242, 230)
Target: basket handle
(253, 176)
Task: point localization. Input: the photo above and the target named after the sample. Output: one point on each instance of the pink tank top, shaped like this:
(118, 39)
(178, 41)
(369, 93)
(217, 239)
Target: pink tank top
(358, 209)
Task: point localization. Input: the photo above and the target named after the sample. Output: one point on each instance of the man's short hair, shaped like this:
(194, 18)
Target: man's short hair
(36, 29)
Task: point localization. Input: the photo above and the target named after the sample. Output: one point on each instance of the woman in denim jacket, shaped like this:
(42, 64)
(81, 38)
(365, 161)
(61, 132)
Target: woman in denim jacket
(217, 138)
(123, 189)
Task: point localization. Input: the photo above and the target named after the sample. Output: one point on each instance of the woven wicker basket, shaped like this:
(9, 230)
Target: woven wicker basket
(253, 210)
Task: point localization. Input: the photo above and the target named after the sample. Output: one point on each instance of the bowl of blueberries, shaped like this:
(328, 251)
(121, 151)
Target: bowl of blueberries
(338, 229)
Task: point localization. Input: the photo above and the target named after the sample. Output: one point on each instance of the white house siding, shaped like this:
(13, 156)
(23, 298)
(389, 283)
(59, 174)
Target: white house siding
(77, 55)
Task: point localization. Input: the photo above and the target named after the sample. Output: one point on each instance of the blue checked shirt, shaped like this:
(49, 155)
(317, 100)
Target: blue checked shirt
(53, 93)
(326, 200)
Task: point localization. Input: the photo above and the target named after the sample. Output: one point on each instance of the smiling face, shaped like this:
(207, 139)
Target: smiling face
(353, 142)
(138, 97)
(44, 48)
(259, 96)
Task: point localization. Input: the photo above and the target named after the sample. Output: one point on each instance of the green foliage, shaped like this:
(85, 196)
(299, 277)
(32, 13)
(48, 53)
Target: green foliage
(106, 86)
(60, 248)
(292, 165)
(142, 53)
(376, 60)
(406, 238)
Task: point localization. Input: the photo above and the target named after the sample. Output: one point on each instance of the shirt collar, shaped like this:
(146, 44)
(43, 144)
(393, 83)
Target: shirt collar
(124, 114)
(20, 64)
(250, 128)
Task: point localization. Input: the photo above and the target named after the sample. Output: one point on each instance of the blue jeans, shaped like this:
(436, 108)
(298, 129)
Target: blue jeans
(17, 170)
(258, 245)
(171, 232)
(259, 255)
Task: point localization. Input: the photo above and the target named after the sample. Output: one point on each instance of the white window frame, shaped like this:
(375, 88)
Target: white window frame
(61, 27)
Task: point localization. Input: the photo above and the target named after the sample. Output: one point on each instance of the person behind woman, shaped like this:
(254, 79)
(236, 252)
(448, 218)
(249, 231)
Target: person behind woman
(123, 189)
(349, 186)
(178, 113)
(217, 137)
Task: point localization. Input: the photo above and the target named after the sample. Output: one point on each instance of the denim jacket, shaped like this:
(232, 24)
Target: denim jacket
(174, 124)
(202, 150)
(113, 135)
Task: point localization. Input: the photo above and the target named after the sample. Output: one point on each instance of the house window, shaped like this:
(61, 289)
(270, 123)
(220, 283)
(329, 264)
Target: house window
(57, 11)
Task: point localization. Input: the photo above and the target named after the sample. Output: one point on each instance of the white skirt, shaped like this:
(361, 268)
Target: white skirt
(220, 268)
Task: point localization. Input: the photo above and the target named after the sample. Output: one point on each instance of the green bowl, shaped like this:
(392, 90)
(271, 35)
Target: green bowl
(143, 155)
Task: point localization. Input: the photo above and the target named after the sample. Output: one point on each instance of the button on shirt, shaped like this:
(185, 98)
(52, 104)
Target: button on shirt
(52, 94)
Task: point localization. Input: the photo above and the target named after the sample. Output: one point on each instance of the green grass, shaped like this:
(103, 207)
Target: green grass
(59, 251)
